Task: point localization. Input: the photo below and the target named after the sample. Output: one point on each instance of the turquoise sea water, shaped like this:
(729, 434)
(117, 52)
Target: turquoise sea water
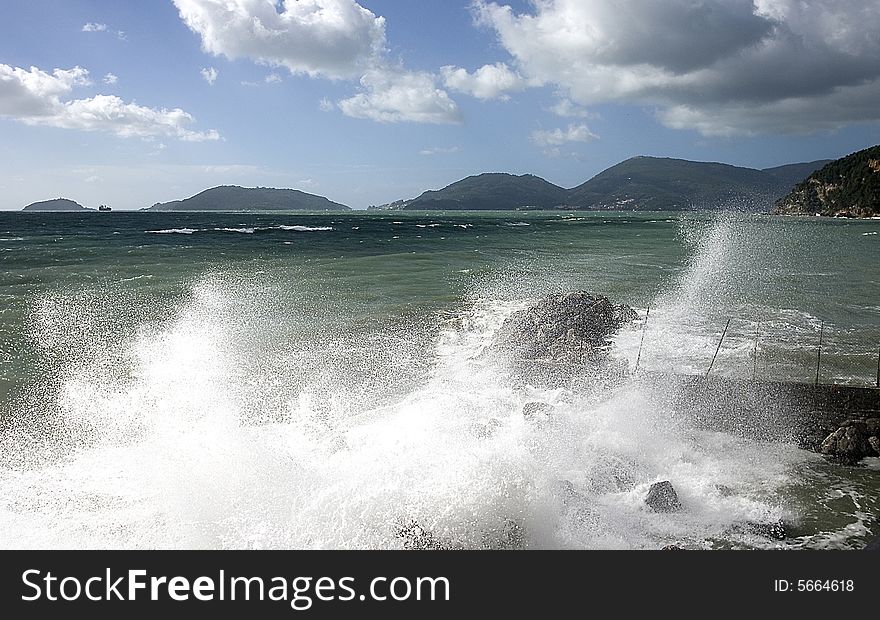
(314, 381)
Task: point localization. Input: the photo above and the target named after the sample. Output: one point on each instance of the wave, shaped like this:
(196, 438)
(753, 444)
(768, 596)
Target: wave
(246, 231)
(304, 228)
(193, 434)
(173, 231)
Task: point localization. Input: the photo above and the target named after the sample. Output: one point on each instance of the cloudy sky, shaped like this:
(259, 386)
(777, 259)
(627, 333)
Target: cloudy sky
(130, 103)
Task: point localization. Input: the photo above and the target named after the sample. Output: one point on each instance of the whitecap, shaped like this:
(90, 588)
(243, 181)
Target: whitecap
(304, 228)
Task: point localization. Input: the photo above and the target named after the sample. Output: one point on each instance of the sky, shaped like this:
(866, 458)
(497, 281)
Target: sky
(129, 103)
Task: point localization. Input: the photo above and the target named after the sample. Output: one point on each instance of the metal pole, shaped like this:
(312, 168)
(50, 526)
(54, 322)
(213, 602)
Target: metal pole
(642, 342)
(819, 352)
(718, 348)
(755, 354)
(878, 368)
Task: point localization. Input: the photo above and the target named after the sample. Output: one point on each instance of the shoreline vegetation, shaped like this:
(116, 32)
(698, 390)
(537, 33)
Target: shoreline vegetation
(847, 187)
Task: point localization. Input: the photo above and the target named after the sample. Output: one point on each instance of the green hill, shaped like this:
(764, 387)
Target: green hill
(792, 174)
(234, 198)
(849, 186)
(490, 191)
(56, 204)
(652, 183)
(637, 184)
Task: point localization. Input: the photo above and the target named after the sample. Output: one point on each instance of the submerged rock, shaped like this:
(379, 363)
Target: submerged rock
(775, 530)
(849, 444)
(537, 411)
(565, 327)
(663, 498)
(417, 538)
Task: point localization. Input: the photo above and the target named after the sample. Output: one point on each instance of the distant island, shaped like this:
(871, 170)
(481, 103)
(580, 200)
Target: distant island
(637, 184)
(234, 198)
(847, 187)
(57, 204)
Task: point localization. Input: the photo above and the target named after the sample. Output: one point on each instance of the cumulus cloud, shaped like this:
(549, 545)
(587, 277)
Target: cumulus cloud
(110, 79)
(334, 39)
(558, 137)
(565, 107)
(209, 74)
(393, 96)
(487, 82)
(94, 27)
(439, 151)
(718, 66)
(329, 38)
(34, 97)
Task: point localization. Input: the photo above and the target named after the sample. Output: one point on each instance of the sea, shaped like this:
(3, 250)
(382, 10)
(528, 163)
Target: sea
(329, 381)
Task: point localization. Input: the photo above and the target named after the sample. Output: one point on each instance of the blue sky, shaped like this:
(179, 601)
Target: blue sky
(130, 103)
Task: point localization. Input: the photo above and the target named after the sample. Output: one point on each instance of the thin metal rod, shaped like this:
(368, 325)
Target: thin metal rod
(724, 333)
(755, 353)
(878, 368)
(642, 341)
(819, 352)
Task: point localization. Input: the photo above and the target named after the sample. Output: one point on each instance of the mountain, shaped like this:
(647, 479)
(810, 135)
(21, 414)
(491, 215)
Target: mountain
(637, 184)
(792, 174)
(849, 187)
(234, 198)
(653, 183)
(489, 191)
(57, 204)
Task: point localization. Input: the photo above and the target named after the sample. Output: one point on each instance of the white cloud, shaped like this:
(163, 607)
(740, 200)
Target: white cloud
(33, 97)
(487, 82)
(394, 95)
(566, 108)
(273, 78)
(717, 66)
(110, 79)
(439, 151)
(94, 27)
(558, 137)
(325, 105)
(329, 38)
(209, 74)
(334, 39)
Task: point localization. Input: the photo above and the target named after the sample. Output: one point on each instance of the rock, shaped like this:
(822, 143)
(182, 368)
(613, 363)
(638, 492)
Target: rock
(848, 444)
(565, 327)
(417, 538)
(724, 490)
(486, 430)
(537, 412)
(775, 530)
(671, 548)
(872, 425)
(663, 498)
(874, 442)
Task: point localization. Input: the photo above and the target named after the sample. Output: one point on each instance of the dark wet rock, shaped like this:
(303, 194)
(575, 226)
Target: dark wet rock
(511, 536)
(485, 430)
(663, 498)
(848, 444)
(417, 538)
(874, 442)
(671, 548)
(872, 426)
(537, 411)
(775, 530)
(564, 327)
(724, 490)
